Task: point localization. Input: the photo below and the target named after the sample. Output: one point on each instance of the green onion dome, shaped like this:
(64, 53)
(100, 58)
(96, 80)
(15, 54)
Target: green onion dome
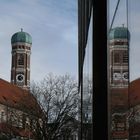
(21, 37)
(119, 33)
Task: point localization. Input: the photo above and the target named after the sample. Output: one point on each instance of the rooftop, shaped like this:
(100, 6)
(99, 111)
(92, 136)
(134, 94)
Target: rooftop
(21, 37)
(14, 96)
(119, 33)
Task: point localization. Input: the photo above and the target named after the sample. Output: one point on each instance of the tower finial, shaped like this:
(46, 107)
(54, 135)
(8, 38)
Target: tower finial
(21, 29)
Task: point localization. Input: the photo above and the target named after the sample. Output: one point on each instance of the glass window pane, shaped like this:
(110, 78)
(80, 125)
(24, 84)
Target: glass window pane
(124, 70)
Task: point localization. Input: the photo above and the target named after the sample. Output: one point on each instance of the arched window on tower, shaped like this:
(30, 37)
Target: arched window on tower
(20, 59)
(28, 60)
(116, 58)
(13, 63)
(125, 57)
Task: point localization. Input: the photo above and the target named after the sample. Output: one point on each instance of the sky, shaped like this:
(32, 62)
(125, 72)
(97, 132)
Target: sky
(54, 30)
(134, 29)
(53, 27)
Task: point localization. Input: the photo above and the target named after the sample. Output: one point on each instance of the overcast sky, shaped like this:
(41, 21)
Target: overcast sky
(134, 28)
(53, 27)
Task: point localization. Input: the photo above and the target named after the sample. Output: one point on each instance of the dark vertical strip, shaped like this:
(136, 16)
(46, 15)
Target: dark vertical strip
(84, 15)
(79, 43)
(100, 116)
(108, 74)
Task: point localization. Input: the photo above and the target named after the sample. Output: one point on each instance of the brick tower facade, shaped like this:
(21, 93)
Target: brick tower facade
(119, 81)
(21, 50)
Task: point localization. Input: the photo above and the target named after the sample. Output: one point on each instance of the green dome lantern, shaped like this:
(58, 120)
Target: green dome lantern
(21, 37)
(119, 33)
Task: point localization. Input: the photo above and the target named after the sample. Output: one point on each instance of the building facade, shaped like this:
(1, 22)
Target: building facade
(16, 111)
(16, 102)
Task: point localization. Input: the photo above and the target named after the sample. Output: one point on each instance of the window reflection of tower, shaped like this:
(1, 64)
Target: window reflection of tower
(119, 68)
(125, 57)
(119, 81)
(116, 57)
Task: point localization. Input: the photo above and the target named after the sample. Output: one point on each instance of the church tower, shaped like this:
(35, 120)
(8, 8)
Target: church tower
(119, 81)
(119, 71)
(21, 50)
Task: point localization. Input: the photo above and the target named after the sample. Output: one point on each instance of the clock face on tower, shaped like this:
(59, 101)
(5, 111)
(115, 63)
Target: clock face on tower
(125, 76)
(20, 77)
(116, 76)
